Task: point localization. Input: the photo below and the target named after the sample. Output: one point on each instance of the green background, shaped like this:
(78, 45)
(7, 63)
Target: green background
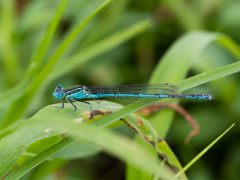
(126, 42)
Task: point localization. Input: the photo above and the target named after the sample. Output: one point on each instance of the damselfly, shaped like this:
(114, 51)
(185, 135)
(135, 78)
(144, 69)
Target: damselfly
(129, 92)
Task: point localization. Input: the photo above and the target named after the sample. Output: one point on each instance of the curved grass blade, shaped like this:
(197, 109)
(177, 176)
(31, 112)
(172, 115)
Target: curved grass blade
(145, 130)
(202, 152)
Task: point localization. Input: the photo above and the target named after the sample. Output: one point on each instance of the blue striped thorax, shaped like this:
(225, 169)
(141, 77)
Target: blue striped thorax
(80, 92)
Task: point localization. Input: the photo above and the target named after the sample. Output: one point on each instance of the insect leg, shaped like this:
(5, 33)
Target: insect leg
(75, 108)
(92, 116)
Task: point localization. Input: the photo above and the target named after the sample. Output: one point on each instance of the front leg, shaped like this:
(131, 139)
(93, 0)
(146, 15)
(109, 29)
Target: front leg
(62, 104)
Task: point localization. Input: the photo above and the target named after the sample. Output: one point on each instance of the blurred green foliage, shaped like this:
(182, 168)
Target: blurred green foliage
(23, 25)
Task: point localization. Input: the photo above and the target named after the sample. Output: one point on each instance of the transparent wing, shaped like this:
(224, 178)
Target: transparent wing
(133, 89)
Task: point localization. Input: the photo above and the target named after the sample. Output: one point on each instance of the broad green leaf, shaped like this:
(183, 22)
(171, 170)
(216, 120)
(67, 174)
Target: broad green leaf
(53, 119)
(77, 150)
(24, 137)
(13, 144)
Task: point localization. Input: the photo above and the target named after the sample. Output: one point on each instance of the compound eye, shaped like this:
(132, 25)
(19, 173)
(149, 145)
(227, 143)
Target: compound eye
(58, 95)
(59, 87)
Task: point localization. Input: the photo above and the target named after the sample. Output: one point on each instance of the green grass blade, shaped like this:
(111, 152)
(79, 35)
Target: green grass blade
(37, 61)
(66, 66)
(181, 56)
(19, 107)
(19, 172)
(214, 74)
(15, 92)
(9, 55)
(12, 94)
(184, 85)
(147, 132)
(209, 76)
(99, 48)
(202, 152)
